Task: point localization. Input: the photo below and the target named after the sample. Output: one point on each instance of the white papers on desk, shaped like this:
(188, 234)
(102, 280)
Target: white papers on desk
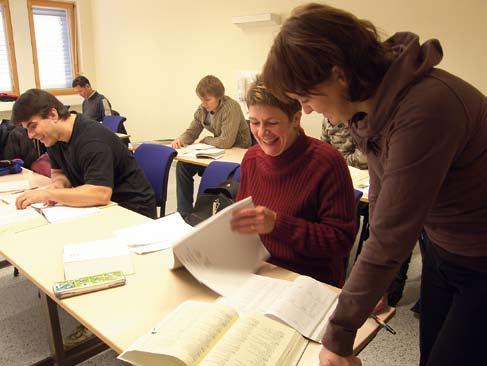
(10, 199)
(363, 186)
(155, 235)
(218, 257)
(198, 146)
(15, 185)
(96, 257)
(14, 221)
(304, 304)
(59, 213)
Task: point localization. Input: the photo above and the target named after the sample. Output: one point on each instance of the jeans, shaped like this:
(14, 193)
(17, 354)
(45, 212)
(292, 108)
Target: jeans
(185, 185)
(453, 318)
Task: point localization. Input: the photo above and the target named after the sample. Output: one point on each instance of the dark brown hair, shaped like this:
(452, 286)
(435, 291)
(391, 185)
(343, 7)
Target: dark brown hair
(314, 39)
(210, 85)
(37, 102)
(258, 94)
(81, 81)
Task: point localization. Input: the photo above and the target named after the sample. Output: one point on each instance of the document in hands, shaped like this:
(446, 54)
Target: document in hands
(96, 257)
(210, 334)
(304, 304)
(155, 235)
(218, 257)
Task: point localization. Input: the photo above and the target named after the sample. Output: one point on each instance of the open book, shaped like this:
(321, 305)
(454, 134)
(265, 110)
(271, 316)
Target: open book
(211, 334)
(304, 304)
(201, 151)
(218, 257)
(14, 221)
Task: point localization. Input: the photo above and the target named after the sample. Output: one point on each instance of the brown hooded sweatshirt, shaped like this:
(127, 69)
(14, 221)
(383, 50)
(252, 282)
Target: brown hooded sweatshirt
(426, 144)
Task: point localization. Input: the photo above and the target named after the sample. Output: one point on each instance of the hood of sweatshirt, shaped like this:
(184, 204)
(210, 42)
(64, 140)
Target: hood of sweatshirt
(411, 61)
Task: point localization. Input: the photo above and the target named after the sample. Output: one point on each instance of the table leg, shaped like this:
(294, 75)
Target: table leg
(61, 356)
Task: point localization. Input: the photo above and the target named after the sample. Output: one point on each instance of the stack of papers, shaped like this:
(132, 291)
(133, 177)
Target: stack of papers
(96, 257)
(156, 235)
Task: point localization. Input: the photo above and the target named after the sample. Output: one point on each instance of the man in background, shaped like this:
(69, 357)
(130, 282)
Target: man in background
(339, 137)
(95, 105)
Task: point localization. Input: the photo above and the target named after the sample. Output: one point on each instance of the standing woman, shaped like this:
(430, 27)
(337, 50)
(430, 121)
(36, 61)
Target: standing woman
(425, 135)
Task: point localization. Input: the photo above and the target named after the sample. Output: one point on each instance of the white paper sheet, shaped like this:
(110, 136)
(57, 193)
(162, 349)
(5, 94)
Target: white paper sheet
(12, 186)
(155, 235)
(96, 257)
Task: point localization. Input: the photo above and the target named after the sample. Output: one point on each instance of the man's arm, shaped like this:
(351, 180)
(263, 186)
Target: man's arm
(59, 180)
(81, 196)
(193, 131)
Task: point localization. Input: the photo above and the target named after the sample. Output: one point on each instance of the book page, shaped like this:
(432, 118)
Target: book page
(183, 337)
(59, 213)
(304, 306)
(14, 221)
(219, 257)
(257, 294)
(256, 340)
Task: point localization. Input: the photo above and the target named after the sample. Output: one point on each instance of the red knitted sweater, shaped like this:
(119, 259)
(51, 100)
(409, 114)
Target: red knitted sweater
(310, 188)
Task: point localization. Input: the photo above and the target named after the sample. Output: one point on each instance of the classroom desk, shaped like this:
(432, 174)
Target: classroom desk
(235, 155)
(120, 315)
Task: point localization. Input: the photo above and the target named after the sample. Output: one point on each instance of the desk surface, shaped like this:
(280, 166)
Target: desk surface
(120, 315)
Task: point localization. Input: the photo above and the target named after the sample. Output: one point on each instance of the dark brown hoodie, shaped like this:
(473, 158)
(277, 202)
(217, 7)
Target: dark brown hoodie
(426, 144)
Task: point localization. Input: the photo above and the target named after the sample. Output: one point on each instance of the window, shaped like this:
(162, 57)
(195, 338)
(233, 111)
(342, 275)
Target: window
(8, 69)
(53, 45)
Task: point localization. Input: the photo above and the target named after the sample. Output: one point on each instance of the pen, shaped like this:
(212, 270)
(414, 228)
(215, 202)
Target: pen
(383, 324)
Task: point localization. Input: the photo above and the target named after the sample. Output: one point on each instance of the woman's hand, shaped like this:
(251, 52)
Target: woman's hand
(381, 305)
(256, 220)
(328, 358)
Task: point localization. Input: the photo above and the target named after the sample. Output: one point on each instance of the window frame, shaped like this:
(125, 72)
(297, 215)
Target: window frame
(7, 21)
(71, 12)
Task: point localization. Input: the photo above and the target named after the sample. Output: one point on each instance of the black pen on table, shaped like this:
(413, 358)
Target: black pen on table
(383, 324)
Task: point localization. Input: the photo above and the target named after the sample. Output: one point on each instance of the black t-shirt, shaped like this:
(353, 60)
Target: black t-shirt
(95, 155)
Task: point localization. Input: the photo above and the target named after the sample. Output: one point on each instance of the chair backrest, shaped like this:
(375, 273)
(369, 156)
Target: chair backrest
(155, 161)
(113, 122)
(216, 173)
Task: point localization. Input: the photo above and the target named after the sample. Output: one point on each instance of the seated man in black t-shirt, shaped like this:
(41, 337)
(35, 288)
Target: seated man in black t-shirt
(90, 165)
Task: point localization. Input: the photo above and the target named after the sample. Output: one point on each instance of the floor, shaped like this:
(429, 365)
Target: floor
(23, 328)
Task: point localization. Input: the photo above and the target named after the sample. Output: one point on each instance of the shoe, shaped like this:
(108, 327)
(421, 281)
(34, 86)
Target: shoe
(78, 336)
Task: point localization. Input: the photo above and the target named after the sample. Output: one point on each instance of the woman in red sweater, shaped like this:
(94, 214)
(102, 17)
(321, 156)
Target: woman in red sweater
(301, 187)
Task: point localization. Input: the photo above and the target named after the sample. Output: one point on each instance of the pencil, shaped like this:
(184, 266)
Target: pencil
(383, 324)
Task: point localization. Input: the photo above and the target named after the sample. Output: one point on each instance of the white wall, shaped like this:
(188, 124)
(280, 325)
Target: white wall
(23, 47)
(149, 54)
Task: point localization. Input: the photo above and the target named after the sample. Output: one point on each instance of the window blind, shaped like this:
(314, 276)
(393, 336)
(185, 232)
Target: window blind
(5, 72)
(53, 47)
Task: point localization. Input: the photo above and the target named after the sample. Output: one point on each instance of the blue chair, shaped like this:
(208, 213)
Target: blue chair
(217, 172)
(114, 123)
(155, 161)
